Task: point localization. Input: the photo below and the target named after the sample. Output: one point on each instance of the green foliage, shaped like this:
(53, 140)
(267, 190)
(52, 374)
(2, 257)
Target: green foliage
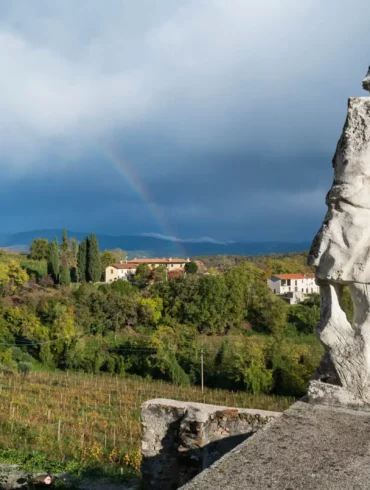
(306, 315)
(93, 259)
(65, 276)
(24, 367)
(12, 276)
(294, 364)
(150, 311)
(82, 260)
(191, 268)
(74, 248)
(39, 249)
(155, 328)
(53, 260)
(36, 269)
(142, 275)
(160, 273)
(347, 303)
(65, 242)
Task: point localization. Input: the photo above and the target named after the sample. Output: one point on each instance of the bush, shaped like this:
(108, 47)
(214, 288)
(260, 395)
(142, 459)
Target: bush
(24, 367)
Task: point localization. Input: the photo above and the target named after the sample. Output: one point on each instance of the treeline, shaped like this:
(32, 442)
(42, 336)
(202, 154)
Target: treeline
(156, 327)
(271, 264)
(70, 261)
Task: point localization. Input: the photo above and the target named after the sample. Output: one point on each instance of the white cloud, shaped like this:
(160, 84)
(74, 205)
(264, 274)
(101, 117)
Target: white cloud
(204, 239)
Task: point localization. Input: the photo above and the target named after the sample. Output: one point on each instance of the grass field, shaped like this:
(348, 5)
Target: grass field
(94, 418)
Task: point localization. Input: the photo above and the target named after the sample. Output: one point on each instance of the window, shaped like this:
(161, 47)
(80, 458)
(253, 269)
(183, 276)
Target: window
(302, 290)
(296, 289)
(274, 291)
(296, 283)
(288, 281)
(171, 265)
(111, 271)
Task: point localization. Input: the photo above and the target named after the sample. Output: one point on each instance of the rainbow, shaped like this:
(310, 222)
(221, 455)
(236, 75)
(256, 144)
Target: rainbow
(132, 178)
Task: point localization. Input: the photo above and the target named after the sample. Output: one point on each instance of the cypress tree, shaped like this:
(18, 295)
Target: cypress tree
(93, 259)
(74, 248)
(65, 276)
(82, 260)
(65, 242)
(53, 260)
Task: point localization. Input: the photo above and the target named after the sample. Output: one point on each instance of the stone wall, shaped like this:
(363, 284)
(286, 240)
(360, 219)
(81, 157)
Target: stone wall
(180, 439)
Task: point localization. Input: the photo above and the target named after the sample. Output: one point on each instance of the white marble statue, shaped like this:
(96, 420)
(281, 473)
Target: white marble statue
(341, 253)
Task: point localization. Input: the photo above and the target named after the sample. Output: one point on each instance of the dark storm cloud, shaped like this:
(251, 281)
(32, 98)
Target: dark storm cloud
(216, 117)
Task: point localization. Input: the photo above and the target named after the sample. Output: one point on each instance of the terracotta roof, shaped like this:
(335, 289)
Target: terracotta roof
(123, 266)
(155, 260)
(294, 276)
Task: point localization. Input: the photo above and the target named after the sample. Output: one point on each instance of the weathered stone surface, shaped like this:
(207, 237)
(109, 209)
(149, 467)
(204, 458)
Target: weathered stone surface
(366, 81)
(180, 439)
(341, 249)
(308, 448)
(341, 254)
(12, 477)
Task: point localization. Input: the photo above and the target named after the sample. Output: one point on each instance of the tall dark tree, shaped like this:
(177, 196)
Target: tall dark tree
(53, 260)
(82, 260)
(93, 259)
(65, 242)
(74, 248)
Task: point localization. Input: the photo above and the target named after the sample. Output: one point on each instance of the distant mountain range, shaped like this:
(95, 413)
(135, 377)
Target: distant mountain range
(151, 246)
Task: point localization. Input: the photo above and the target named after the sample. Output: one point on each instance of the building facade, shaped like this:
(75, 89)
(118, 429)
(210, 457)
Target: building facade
(294, 287)
(126, 270)
(170, 263)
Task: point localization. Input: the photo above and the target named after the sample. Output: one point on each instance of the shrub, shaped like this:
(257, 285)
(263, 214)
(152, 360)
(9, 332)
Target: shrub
(24, 367)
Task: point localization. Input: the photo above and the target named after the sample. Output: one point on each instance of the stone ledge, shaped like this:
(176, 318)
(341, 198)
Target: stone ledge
(180, 439)
(311, 447)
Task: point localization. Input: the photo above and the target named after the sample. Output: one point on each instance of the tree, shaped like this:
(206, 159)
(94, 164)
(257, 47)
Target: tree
(160, 273)
(119, 254)
(106, 258)
(82, 260)
(53, 260)
(74, 248)
(65, 242)
(142, 272)
(65, 276)
(93, 259)
(12, 275)
(150, 311)
(39, 249)
(191, 267)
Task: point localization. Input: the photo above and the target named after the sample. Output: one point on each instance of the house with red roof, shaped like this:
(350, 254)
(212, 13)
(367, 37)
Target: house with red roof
(122, 270)
(294, 287)
(126, 270)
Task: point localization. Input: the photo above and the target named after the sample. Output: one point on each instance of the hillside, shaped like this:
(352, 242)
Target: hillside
(152, 246)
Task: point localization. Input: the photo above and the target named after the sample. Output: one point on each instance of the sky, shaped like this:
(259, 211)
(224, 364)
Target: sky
(200, 119)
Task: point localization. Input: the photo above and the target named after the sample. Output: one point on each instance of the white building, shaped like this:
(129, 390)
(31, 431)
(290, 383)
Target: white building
(126, 270)
(294, 287)
(123, 271)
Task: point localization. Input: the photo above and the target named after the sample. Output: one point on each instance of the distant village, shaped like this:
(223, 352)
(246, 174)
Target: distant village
(126, 270)
(294, 288)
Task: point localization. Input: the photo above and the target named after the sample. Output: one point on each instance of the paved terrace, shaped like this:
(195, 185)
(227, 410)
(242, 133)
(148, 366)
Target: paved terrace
(308, 447)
